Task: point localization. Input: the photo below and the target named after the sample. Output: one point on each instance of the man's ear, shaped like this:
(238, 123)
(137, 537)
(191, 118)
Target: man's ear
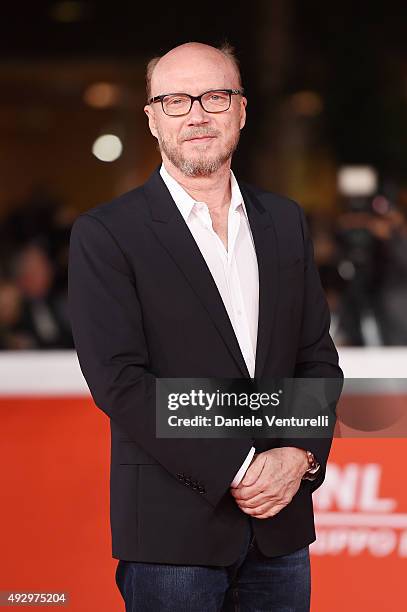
(149, 111)
(243, 112)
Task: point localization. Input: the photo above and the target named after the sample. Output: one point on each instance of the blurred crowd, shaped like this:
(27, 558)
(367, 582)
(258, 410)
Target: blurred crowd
(362, 260)
(34, 247)
(361, 255)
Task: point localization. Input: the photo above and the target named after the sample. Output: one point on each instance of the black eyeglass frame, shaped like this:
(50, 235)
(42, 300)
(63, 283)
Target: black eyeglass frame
(231, 92)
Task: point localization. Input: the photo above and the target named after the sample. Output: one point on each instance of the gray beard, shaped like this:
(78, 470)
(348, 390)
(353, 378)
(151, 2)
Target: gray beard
(201, 166)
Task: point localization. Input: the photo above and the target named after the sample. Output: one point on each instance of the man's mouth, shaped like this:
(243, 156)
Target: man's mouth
(200, 138)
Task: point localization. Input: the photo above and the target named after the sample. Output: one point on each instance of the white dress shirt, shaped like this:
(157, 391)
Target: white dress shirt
(234, 269)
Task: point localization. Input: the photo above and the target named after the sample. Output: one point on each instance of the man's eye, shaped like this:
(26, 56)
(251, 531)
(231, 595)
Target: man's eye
(176, 101)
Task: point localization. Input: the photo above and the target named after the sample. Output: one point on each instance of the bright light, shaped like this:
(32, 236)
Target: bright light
(357, 181)
(107, 148)
(102, 95)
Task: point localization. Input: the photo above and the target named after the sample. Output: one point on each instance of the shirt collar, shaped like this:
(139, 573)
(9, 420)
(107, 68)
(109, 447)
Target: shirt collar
(185, 202)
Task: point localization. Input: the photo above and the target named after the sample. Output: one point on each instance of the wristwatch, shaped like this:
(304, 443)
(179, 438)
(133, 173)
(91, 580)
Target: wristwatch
(313, 467)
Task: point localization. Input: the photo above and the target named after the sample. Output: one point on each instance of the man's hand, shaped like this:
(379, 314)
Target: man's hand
(271, 481)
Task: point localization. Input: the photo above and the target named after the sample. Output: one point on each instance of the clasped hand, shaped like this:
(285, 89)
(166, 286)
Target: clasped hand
(271, 481)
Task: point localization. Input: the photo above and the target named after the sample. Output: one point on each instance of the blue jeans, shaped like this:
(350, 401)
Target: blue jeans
(254, 583)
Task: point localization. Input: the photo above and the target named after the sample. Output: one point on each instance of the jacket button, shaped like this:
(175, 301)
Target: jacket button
(201, 489)
(181, 476)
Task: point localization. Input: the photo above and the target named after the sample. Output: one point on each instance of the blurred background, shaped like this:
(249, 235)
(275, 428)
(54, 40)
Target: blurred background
(326, 85)
(327, 125)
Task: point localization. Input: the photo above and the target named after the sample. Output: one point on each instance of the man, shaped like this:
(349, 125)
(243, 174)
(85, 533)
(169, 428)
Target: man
(196, 275)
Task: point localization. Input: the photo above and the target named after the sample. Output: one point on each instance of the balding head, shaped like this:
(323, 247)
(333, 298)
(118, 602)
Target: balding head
(189, 56)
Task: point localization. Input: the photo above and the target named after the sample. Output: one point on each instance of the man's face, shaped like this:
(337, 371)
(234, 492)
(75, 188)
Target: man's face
(198, 143)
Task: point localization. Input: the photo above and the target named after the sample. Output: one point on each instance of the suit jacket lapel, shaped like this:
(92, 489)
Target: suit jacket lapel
(265, 241)
(173, 233)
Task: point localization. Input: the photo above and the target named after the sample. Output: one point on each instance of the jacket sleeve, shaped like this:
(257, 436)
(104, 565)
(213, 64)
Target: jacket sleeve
(107, 326)
(317, 356)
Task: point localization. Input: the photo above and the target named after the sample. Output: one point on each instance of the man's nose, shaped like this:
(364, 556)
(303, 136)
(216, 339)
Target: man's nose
(197, 114)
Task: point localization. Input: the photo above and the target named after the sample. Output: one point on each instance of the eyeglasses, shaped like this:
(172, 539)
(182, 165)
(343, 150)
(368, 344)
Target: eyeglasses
(212, 101)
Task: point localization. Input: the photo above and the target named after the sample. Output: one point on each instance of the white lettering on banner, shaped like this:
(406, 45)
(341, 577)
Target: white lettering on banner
(377, 542)
(351, 517)
(352, 487)
(369, 490)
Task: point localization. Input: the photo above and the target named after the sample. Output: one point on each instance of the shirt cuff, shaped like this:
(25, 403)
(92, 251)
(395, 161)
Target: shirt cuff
(243, 468)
